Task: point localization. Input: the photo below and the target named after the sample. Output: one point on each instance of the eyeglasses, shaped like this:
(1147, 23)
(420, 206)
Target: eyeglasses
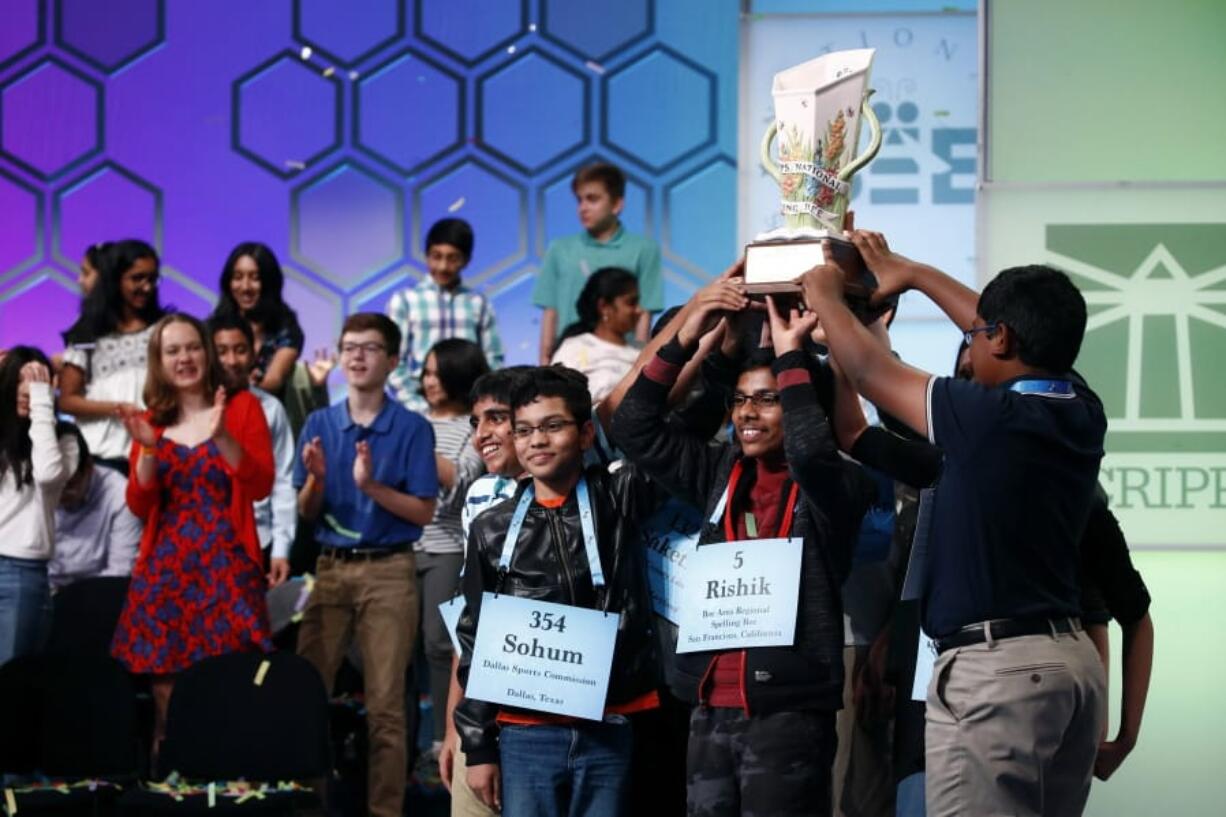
(495, 417)
(552, 426)
(365, 348)
(760, 399)
(969, 334)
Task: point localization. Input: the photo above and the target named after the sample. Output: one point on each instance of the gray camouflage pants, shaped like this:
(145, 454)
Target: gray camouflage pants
(776, 765)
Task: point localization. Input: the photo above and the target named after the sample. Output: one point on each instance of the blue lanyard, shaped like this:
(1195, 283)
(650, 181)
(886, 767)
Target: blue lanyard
(1044, 388)
(585, 519)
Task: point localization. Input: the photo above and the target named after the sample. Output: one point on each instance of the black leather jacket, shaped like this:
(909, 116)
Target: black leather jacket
(550, 563)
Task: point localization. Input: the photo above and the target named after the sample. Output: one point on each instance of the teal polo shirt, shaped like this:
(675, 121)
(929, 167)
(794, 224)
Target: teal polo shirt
(571, 259)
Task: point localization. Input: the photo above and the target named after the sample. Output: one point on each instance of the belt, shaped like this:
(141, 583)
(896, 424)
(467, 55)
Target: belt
(1003, 628)
(356, 553)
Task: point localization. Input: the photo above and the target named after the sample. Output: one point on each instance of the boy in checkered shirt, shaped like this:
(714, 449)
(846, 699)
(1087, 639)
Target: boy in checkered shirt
(441, 307)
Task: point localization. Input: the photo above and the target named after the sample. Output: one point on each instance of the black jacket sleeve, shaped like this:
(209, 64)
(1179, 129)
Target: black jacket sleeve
(915, 462)
(838, 490)
(682, 462)
(1108, 577)
(475, 721)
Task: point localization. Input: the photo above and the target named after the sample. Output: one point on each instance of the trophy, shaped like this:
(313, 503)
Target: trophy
(818, 108)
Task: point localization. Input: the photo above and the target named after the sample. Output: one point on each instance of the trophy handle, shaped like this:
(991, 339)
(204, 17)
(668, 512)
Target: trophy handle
(768, 164)
(874, 144)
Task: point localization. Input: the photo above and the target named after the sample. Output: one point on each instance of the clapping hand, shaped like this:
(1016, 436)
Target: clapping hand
(363, 468)
(137, 425)
(217, 414)
(313, 459)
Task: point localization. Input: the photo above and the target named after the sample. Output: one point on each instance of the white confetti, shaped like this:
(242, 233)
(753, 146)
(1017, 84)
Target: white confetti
(306, 52)
(595, 66)
(510, 49)
(329, 71)
(456, 205)
(353, 75)
(532, 26)
(294, 164)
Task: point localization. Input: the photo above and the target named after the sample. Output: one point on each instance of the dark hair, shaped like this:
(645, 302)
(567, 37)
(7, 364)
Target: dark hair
(459, 363)
(664, 320)
(605, 284)
(83, 457)
(962, 347)
(270, 311)
(610, 175)
(15, 443)
(232, 323)
(1045, 311)
(377, 321)
(95, 253)
(102, 308)
(454, 231)
(498, 385)
(555, 381)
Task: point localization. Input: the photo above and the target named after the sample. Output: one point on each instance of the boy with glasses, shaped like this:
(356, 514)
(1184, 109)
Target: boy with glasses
(1017, 699)
(367, 478)
(569, 537)
(762, 734)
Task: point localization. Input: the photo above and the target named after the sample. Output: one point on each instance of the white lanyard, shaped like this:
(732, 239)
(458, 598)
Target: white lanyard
(585, 519)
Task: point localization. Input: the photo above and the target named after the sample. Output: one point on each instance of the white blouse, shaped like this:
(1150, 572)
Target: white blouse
(114, 368)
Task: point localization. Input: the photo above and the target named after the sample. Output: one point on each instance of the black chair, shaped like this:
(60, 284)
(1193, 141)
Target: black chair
(74, 719)
(84, 615)
(258, 718)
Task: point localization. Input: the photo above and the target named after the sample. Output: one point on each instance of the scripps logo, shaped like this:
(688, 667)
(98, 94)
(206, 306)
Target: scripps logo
(1154, 350)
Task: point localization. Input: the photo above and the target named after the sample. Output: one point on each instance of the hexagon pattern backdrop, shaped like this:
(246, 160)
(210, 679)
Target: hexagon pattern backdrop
(337, 131)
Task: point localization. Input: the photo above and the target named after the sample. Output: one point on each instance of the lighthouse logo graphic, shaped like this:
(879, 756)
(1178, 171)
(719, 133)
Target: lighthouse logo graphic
(1155, 344)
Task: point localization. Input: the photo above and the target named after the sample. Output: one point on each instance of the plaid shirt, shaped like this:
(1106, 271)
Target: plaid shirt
(427, 314)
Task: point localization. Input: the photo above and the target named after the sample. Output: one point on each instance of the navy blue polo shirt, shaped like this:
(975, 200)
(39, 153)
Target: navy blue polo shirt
(402, 453)
(1010, 508)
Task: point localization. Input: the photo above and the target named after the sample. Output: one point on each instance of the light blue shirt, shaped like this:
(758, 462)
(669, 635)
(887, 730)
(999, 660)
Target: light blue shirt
(276, 516)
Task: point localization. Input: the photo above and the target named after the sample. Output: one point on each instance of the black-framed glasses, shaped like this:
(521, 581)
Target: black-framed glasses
(495, 417)
(760, 399)
(552, 426)
(969, 334)
(366, 348)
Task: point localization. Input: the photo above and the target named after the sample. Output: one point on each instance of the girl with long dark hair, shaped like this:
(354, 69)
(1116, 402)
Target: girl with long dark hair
(104, 364)
(447, 376)
(596, 344)
(36, 461)
(251, 284)
(199, 459)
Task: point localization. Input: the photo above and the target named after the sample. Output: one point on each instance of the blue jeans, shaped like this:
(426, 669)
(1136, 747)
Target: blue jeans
(579, 770)
(25, 606)
(910, 798)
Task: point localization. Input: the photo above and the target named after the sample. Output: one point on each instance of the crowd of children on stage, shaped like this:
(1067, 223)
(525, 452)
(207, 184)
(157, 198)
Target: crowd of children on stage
(960, 533)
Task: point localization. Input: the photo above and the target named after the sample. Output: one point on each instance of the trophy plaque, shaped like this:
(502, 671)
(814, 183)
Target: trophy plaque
(818, 108)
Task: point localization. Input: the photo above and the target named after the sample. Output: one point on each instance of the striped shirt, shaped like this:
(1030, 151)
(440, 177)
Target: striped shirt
(485, 493)
(426, 314)
(452, 441)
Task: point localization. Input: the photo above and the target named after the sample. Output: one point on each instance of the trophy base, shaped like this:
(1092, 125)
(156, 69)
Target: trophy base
(773, 266)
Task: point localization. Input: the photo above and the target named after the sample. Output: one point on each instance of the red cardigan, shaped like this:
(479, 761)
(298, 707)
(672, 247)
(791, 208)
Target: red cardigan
(250, 482)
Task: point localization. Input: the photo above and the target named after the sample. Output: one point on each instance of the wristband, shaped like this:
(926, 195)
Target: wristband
(148, 451)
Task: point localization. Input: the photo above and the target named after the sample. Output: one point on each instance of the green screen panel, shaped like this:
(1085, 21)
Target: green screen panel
(1106, 90)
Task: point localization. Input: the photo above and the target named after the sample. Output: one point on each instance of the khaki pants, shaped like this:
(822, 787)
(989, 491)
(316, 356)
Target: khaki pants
(464, 802)
(374, 602)
(1013, 727)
